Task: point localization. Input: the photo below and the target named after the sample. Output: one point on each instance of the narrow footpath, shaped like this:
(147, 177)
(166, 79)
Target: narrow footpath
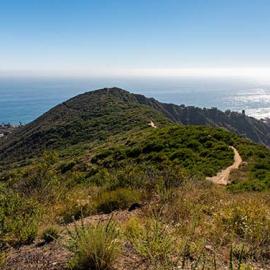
(222, 178)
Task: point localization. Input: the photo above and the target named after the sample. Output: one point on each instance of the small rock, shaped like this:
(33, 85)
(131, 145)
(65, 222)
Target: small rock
(134, 206)
(209, 247)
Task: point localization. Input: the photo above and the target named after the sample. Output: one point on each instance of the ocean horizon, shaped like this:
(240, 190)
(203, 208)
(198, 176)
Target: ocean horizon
(24, 99)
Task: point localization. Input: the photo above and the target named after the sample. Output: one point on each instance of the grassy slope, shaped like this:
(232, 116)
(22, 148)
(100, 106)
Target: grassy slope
(136, 166)
(93, 116)
(106, 157)
(200, 150)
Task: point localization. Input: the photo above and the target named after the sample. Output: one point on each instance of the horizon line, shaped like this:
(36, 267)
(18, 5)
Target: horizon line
(262, 73)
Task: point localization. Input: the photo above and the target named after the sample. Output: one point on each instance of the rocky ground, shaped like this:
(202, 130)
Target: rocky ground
(54, 256)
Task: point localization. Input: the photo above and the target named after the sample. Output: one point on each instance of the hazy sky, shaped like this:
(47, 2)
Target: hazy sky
(134, 37)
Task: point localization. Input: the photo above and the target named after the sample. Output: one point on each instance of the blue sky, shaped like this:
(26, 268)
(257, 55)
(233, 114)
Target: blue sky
(114, 37)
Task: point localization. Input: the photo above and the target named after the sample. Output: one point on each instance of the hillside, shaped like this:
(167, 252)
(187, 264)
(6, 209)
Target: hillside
(256, 130)
(89, 117)
(6, 129)
(95, 115)
(105, 190)
(161, 173)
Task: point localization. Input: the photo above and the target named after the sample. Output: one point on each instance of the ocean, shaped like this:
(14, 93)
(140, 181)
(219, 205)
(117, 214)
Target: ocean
(24, 99)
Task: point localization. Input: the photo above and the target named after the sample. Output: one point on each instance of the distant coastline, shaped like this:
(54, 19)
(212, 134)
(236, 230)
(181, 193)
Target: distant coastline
(23, 100)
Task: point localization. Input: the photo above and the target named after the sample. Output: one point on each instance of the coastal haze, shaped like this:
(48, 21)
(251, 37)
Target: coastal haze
(24, 99)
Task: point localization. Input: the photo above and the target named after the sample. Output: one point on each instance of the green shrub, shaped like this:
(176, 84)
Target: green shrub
(65, 167)
(26, 234)
(74, 211)
(94, 247)
(119, 199)
(102, 178)
(41, 179)
(154, 241)
(2, 258)
(19, 218)
(50, 234)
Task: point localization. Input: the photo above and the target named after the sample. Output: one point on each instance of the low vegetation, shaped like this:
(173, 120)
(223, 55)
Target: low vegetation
(118, 199)
(50, 234)
(19, 218)
(195, 226)
(183, 221)
(255, 175)
(94, 247)
(153, 240)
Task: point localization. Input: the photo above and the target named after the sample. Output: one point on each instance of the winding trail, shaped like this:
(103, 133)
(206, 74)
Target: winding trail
(222, 178)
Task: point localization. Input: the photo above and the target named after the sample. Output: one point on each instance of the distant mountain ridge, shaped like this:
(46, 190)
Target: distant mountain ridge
(98, 114)
(256, 130)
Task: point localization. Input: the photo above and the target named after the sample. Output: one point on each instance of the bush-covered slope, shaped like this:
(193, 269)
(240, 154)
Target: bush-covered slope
(255, 172)
(103, 157)
(163, 171)
(89, 117)
(200, 151)
(94, 116)
(134, 158)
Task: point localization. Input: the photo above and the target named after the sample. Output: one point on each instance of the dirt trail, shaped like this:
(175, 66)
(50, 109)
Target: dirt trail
(222, 178)
(152, 124)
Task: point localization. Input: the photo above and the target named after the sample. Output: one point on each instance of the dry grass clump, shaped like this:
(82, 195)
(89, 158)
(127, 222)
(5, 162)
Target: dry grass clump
(2, 258)
(246, 221)
(94, 247)
(208, 223)
(50, 234)
(154, 241)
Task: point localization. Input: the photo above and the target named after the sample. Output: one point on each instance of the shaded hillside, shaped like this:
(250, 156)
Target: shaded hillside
(89, 117)
(256, 130)
(94, 116)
